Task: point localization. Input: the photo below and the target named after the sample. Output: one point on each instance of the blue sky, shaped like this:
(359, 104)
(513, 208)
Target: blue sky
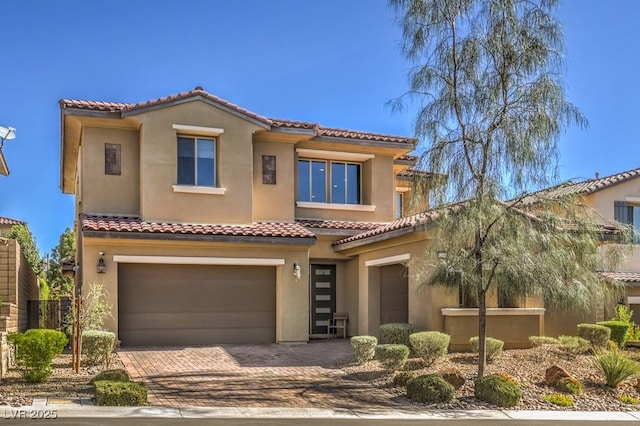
(335, 62)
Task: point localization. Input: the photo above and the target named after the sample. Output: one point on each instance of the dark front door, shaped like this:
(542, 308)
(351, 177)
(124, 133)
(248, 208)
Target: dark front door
(323, 297)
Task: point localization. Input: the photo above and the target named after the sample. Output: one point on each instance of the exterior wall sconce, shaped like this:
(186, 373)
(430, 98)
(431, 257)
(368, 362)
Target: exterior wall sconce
(297, 272)
(102, 267)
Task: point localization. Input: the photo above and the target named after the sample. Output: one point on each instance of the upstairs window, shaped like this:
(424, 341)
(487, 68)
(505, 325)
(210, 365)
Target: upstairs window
(196, 161)
(630, 214)
(342, 179)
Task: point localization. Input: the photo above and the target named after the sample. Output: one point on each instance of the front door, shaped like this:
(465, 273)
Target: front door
(323, 297)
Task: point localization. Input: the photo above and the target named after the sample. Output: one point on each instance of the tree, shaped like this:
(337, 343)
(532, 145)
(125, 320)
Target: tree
(27, 243)
(491, 109)
(65, 249)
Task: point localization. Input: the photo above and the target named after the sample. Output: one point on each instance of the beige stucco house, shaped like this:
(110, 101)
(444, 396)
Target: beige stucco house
(208, 223)
(216, 224)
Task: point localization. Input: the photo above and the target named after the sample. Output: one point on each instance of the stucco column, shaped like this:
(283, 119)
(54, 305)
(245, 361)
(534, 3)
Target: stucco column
(369, 301)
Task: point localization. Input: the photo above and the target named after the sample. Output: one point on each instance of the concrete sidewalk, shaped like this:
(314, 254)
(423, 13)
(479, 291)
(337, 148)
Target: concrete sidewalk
(84, 412)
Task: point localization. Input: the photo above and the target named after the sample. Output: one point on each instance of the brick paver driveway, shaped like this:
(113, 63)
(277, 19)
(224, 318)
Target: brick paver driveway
(253, 376)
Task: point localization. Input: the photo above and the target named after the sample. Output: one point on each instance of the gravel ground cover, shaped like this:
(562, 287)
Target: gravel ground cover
(63, 383)
(527, 366)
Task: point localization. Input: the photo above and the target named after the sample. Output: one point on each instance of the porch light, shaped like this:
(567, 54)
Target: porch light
(102, 267)
(297, 272)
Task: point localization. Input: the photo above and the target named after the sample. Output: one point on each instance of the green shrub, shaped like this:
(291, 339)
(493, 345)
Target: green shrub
(430, 389)
(364, 348)
(430, 345)
(616, 367)
(497, 390)
(542, 340)
(597, 335)
(402, 378)
(624, 314)
(98, 346)
(120, 393)
(493, 347)
(619, 331)
(559, 399)
(35, 350)
(397, 333)
(574, 345)
(118, 375)
(570, 385)
(392, 357)
(627, 399)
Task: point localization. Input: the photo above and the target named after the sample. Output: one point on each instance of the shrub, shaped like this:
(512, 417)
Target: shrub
(574, 345)
(618, 332)
(430, 389)
(364, 348)
(402, 378)
(429, 345)
(120, 393)
(570, 385)
(497, 390)
(397, 333)
(392, 357)
(616, 367)
(493, 347)
(118, 375)
(627, 399)
(542, 340)
(97, 347)
(597, 335)
(624, 314)
(559, 399)
(35, 349)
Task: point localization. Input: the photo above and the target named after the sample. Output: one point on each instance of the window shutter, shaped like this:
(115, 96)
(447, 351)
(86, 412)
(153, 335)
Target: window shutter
(622, 213)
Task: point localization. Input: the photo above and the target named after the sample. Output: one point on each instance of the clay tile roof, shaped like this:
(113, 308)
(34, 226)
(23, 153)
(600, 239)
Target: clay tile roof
(622, 276)
(351, 134)
(408, 223)
(9, 221)
(338, 224)
(408, 158)
(134, 224)
(588, 186)
(126, 107)
(340, 133)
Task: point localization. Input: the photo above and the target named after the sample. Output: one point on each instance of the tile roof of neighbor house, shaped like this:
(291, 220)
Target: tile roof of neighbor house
(622, 276)
(134, 224)
(9, 221)
(273, 123)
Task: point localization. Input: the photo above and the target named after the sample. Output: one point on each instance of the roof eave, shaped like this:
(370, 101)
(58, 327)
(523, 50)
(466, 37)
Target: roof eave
(200, 237)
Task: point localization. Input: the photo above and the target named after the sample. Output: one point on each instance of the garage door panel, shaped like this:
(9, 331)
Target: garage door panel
(195, 304)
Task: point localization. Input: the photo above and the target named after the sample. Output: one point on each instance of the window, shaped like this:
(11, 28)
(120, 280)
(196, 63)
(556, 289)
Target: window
(625, 213)
(196, 161)
(343, 179)
(399, 204)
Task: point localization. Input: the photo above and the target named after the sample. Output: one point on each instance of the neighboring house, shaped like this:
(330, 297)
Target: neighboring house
(208, 223)
(6, 224)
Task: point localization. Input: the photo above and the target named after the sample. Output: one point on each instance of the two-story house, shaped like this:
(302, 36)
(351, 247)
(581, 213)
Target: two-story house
(209, 223)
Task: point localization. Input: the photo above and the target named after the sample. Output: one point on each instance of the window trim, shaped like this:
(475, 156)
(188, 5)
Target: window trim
(194, 189)
(197, 130)
(319, 154)
(331, 206)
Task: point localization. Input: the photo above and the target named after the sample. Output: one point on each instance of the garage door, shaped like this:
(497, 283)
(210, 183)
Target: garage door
(160, 305)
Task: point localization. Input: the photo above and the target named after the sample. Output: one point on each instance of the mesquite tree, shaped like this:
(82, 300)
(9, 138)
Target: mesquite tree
(491, 107)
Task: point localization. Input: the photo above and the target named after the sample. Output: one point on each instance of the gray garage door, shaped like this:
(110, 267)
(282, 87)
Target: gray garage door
(160, 305)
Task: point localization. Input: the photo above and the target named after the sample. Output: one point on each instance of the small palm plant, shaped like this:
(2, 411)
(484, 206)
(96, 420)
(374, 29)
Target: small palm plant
(616, 367)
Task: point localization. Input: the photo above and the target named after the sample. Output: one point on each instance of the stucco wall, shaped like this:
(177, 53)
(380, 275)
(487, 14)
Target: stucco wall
(111, 194)
(274, 202)
(234, 164)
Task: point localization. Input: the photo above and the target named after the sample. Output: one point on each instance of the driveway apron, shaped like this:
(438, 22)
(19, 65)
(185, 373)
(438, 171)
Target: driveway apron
(253, 376)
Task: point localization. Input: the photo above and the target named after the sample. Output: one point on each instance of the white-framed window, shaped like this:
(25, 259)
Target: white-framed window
(325, 181)
(196, 161)
(399, 204)
(628, 213)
